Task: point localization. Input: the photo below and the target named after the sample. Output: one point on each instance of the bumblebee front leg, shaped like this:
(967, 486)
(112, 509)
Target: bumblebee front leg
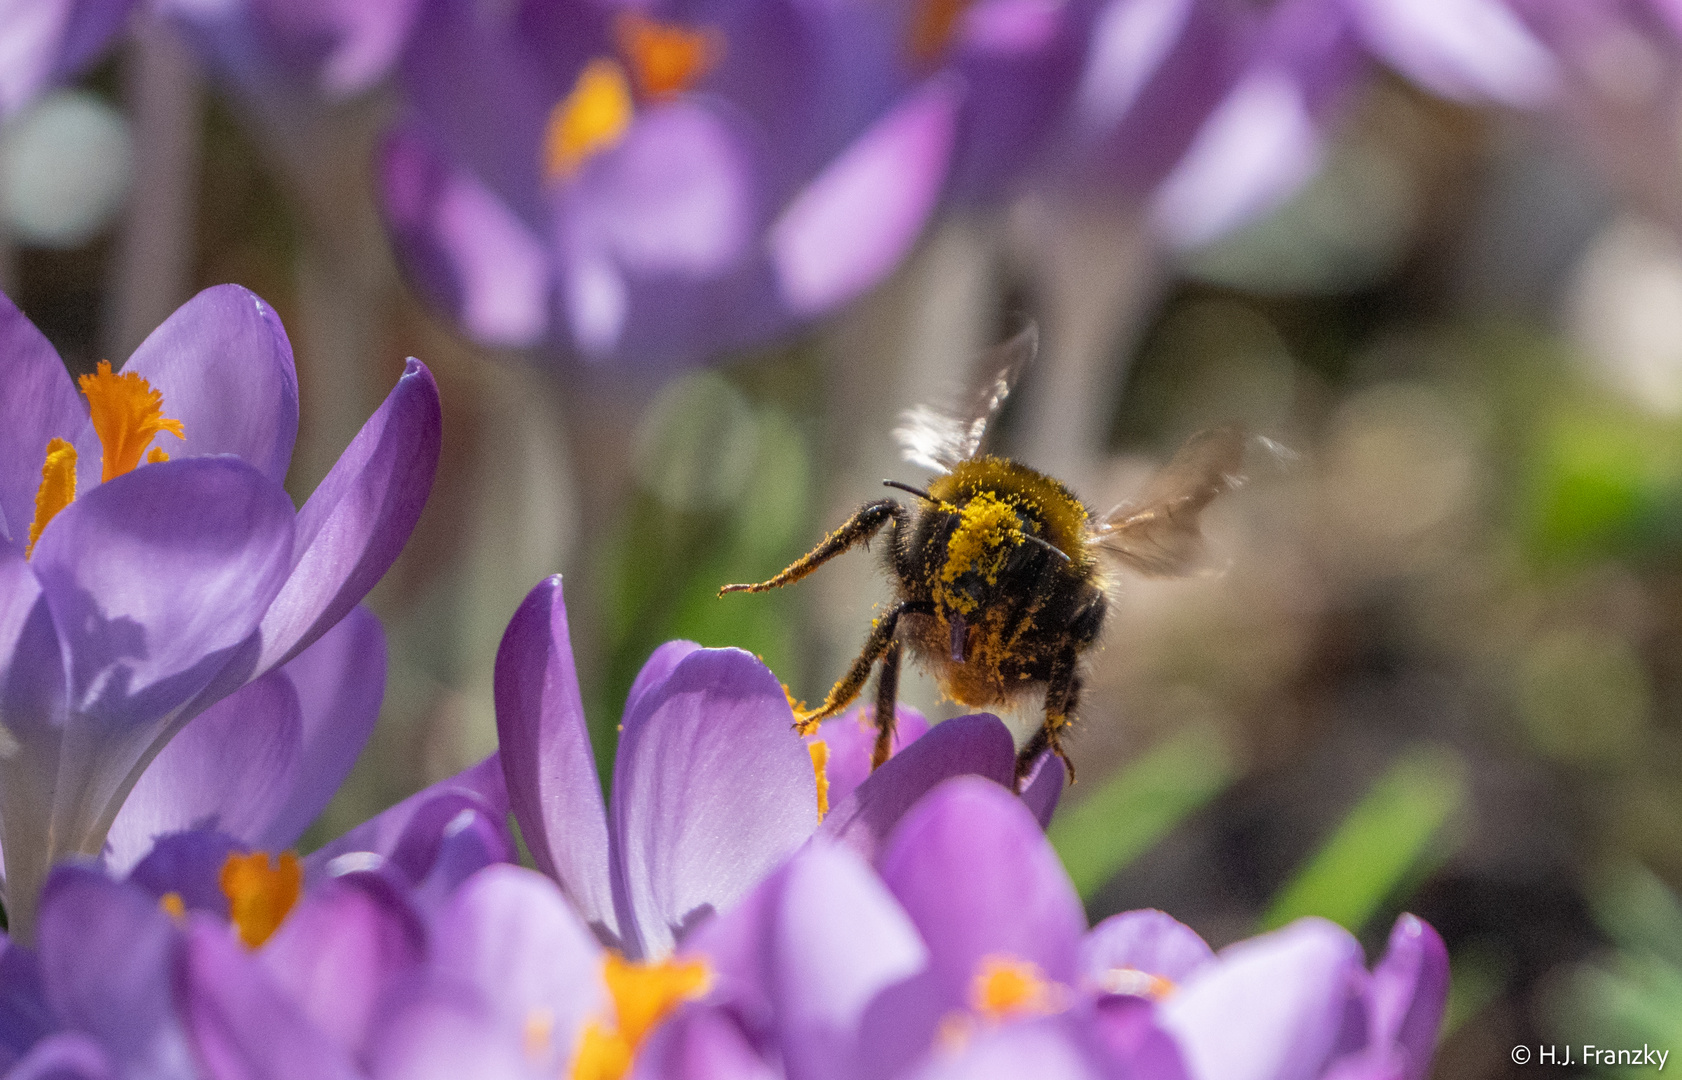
(857, 529)
(1062, 694)
(880, 642)
(887, 695)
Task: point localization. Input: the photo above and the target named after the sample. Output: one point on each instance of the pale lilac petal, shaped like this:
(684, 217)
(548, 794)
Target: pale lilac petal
(1270, 1008)
(445, 1032)
(462, 246)
(1126, 1031)
(851, 738)
(854, 223)
(546, 755)
(978, 744)
(357, 41)
(33, 713)
(1408, 993)
(243, 1025)
(188, 864)
(359, 518)
(469, 843)
(657, 669)
(1042, 788)
(408, 834)
(107, 960)
(711, 790)
(346, 944)
(1150, 942)
(224, 367)
(510, 935)
(67, 1055)
(700, 1043)
(1468, 50)
(340, 683)
(1044, 1049)
(230, 769)
(39, 402)
(45, 41)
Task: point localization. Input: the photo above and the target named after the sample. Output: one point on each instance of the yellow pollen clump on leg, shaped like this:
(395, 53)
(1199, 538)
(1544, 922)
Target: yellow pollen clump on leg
(1005, 988)
(820, 768)
(127, 414)
(665, 58)
(642, 996)
(57, 490)
(260, 892)
(590, 119)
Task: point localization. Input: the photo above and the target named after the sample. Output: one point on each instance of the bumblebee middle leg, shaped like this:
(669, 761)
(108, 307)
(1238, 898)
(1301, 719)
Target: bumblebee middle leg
(857, 529)
(887, 695)
(880, 642)
(1062, 694)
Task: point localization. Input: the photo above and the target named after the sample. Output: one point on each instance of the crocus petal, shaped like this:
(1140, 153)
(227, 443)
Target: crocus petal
(856, 221)
(657, 669)
(107, 958)
(464, 249)
(1469, 50)
(25, 1018)
(1042, 788)
(1044, 1048)
(409, 834)
(340, 683)
(362, 37)
(974, 871)
(1409, 991)
(1126, 1032)
(37, 399)
(358, 519)
(224, 367)
(510, 935)
(711, 790)
(1270, 1008)
(32, 716)
(700, 1043)
(979, 744)
(546, 756)
(67, 1055)
(50, 40)
(243, 1026)
(230, 769)
(444, 1033)
(346, 944)
(188, 864)
(851, 738)
(1148, 941)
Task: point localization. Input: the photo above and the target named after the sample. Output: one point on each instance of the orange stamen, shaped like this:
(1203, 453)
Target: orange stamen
(1005, 988)
(127, 414)
(57, 490)
(260, 894)
(820, 768)
(173, 905)
(666, 59)
(934, 26)
(592, 118)
(642, 995)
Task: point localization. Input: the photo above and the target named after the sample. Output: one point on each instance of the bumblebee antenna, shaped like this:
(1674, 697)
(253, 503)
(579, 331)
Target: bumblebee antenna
(919, 492)
(1048, 545)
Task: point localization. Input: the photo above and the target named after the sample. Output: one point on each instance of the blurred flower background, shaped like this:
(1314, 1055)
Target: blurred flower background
(678, 267)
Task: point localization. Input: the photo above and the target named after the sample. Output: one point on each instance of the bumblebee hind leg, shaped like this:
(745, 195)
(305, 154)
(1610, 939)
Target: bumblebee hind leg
(887, 694)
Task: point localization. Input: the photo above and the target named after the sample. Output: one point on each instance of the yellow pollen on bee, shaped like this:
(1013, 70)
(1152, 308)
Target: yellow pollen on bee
(57, 490)
(127, 414)
(1005, 988)
(820, 768)
(590, 119)
(173, 905)
(642, 996)
(667, 59)
(986, 526)
(260, 892)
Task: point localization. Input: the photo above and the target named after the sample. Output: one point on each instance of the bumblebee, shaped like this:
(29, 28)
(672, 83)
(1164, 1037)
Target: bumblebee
(1000, 570)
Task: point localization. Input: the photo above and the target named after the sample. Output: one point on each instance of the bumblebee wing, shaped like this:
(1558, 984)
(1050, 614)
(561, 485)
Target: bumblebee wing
(1158, 533)
(939, 439)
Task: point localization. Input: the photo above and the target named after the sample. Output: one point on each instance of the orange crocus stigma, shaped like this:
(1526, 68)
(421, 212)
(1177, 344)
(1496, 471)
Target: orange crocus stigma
(1005, 988)
(127, 415)
(642, 996)
(260, 892)
(57, 490)
(933, 27)
(667, 59)
(592, 118)
(820, 768)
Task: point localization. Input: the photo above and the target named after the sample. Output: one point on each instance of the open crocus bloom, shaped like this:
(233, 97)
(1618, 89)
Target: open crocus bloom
(606, 175)
(150, 562)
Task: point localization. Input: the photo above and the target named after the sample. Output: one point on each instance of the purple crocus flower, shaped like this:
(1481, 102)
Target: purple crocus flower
(656, 182)
(46, 42)
(135, 597)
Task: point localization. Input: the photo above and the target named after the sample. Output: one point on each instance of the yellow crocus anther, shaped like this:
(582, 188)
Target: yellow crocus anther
(173, 905)
(665, 58)
(127, 414)
(260, 892)
(1005, 988)
(57, 490)
(587, 121)
(642, 996)
(820, 768)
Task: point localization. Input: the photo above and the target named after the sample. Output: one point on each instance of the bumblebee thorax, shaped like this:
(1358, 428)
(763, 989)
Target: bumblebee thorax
(1028, 491)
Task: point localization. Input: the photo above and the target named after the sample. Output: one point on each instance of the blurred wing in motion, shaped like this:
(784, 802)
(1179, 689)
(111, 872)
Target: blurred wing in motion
(939, 439)
(1157, 533)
